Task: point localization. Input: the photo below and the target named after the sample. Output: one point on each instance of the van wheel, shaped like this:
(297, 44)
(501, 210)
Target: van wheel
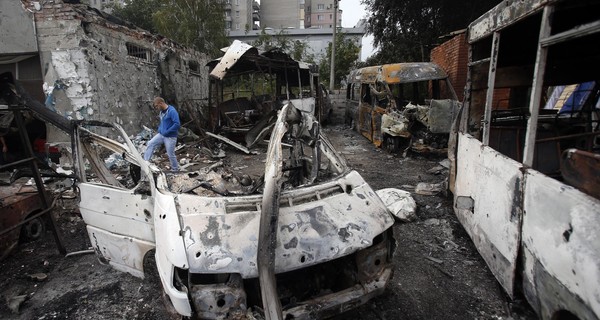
(33, 230)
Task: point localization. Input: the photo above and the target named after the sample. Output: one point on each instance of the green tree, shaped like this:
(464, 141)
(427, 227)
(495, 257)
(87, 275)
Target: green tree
(196, 23)
(199, 24)
(346, 59)
(406, 30)
(296, 49)
(138, 12)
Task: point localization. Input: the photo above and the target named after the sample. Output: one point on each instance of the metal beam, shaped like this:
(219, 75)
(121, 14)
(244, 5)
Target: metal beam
(332, 71)
(538, 82)
(489, 99)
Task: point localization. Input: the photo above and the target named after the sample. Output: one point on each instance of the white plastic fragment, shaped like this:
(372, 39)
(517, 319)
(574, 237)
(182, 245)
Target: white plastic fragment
(399, 202)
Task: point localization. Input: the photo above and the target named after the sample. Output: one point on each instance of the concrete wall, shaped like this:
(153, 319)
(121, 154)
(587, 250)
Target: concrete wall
(90, 71)
(17, 32)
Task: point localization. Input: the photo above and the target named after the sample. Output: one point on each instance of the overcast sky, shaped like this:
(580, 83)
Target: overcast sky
(352, 11)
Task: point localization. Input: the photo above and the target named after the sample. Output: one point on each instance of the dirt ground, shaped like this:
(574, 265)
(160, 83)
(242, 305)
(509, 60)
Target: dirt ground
(438, 274)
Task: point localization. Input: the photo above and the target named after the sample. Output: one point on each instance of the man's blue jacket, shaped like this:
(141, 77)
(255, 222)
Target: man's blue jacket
(169, 122)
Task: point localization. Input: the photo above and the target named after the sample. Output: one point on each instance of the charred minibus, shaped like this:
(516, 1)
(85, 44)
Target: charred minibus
(403, 105)
(526, 152)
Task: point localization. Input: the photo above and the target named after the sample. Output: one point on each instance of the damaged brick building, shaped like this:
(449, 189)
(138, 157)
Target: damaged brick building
(85, 64)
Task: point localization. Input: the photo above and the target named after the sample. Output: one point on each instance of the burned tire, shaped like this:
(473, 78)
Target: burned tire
(33, 230)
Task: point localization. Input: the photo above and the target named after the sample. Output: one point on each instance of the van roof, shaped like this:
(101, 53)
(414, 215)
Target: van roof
(399, 73)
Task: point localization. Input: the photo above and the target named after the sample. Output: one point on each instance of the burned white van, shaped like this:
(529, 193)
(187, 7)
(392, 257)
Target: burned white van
(294, 233)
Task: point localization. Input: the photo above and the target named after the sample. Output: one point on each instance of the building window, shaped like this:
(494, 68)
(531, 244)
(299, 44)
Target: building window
(237, 2)
(330, 16)
(237, 14)
(228, 24)
(138, 52)
(237, 26)
(194, 66)
(227, 14)
(320, 6)
(320, 17)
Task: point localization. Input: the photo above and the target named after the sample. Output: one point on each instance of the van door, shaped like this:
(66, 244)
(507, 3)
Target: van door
(365, 110)
(381, 101)
(117, 209)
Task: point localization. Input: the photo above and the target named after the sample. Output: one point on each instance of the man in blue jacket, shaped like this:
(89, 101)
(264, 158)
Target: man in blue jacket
(167, 132)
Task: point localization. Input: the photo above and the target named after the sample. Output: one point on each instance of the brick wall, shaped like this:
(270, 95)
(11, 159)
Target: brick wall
(452, 56)
(50, 10)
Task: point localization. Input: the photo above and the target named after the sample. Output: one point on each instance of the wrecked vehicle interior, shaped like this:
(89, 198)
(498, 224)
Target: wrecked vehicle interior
(403, 106)
(247, 88)
(233, 234)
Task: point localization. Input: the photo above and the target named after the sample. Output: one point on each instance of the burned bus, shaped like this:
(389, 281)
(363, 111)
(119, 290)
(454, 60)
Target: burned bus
(526, 153)
(247, 88)
(402, 106)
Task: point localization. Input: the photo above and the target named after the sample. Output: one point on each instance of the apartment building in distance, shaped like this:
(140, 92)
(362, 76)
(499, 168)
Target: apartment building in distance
(241, 15)
(308, 21)
(298, 14)
(318, 14)
(282, 14)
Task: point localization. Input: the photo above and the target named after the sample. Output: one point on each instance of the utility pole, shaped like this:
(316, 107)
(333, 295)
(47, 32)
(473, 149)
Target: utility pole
(332, 62)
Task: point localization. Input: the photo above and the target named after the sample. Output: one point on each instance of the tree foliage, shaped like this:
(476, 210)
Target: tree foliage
(406, 30)
(296, 49)
(138, 12)
(195, 23)
(346, 58)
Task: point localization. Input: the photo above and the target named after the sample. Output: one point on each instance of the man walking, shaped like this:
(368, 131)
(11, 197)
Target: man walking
(167, 132)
